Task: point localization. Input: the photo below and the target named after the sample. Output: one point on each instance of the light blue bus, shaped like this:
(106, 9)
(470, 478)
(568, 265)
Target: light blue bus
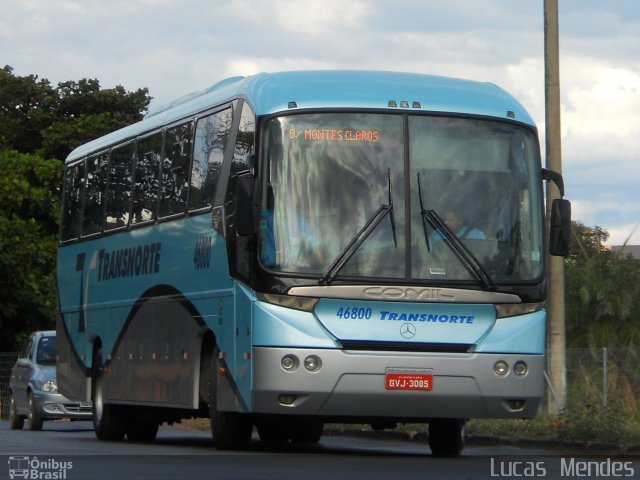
(288, 249)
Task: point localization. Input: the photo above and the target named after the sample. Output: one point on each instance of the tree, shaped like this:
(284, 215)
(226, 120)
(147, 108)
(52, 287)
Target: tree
(588, 241)
(29, 207)
(603, 293)
(83, 112)
(26, 105)
(38, 118)
(39, 126)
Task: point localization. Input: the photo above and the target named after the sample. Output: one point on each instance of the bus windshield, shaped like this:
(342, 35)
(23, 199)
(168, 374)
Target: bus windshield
(460, 198)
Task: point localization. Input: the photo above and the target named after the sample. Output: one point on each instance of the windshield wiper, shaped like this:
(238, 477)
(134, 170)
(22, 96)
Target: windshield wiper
(345, 255)
(431, 217)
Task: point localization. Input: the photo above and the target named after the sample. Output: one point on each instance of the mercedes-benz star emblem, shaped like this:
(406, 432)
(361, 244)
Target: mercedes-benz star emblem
(407, 330)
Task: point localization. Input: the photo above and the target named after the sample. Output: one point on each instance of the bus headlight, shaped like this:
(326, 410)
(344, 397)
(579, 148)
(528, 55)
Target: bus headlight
(289, 301)
(504, 310)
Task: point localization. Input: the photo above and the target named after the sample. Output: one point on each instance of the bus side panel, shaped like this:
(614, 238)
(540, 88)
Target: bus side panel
(74, 358)
(148, 296)
(158, 358)
(71, 373)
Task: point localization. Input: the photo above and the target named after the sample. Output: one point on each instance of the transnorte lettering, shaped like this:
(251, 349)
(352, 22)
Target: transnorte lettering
(426, 317)
(129, 262)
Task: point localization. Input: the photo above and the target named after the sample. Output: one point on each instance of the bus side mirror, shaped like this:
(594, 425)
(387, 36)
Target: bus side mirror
(244, 223)
(560, 227)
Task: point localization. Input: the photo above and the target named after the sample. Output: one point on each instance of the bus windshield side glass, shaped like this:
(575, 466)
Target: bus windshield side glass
(328, 174)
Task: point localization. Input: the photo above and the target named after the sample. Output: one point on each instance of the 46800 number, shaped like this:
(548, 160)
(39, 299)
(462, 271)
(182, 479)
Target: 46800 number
(354, 313)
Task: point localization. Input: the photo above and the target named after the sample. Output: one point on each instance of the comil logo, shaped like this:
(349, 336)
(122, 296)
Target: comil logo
(38, 469)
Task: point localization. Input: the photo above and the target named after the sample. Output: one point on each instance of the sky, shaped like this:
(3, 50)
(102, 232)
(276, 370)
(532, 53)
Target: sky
(174, 47)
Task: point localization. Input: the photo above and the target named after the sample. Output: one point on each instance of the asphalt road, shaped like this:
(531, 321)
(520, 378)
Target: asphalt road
(70, 451)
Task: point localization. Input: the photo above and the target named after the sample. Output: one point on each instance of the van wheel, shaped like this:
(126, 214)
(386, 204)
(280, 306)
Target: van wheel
(16, 421)
(447, 436)
(108, 419)
(34, 419)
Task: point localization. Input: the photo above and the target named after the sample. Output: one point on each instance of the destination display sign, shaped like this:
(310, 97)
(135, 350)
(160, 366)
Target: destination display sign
(335, 135)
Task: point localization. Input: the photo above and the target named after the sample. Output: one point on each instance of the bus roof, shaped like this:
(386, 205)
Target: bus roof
(270, 93)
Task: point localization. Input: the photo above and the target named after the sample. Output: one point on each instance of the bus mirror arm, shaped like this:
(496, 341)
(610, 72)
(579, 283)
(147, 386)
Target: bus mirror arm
(555, 177)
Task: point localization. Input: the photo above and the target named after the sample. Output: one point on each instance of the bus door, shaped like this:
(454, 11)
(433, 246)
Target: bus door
(243, 344)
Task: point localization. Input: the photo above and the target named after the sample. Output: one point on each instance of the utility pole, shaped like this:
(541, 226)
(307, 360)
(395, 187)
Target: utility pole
(556, 340)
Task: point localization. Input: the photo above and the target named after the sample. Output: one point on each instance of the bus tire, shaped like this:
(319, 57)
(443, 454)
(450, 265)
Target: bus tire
(108, 421)
(16, 421)
(34, 418)
(447, 436)
(307, 430)
(230, 430)
(274, 429)
(142, 431)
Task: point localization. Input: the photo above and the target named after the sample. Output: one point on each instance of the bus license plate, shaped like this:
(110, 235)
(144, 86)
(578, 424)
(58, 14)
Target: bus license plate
(409, 381)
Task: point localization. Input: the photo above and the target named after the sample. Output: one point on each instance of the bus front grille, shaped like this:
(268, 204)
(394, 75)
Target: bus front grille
(373, 345)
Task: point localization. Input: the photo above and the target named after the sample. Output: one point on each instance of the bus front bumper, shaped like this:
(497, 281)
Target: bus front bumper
(353, 384)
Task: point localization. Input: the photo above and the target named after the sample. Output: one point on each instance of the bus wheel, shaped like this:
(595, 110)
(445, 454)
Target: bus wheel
(34, 418)
(274, 429)
(108, 421)
(230, 430)
(16, 421)
(142, 430)
(307, 431)
(447, 436)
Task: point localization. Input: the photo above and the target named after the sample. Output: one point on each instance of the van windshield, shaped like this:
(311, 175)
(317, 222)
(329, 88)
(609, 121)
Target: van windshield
(46, 352)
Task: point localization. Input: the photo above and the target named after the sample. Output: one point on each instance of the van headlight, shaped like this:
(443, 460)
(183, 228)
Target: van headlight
(50, 386)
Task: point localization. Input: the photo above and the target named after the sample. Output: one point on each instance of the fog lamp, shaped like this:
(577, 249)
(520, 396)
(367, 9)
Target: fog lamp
(289, 362)
(501, 368)
(312, 363)
(520, 368)
(287, 399)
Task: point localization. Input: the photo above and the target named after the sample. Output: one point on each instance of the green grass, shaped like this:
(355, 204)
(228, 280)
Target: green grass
(581, 425)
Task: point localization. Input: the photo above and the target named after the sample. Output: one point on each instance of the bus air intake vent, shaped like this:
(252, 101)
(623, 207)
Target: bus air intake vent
(406, 346)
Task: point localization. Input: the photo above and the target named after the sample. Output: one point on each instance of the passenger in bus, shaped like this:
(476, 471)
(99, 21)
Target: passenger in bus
(459, 226)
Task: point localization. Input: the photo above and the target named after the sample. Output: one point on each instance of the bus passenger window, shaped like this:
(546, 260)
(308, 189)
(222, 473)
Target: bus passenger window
(175, 170)
(211, 137)
(94, 194)
(119, 186)
(147, 177)
(72, 206)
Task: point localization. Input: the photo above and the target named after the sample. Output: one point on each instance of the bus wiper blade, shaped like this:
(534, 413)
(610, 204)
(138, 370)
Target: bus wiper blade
(345, 255)
(425, 221)
(431, 217)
